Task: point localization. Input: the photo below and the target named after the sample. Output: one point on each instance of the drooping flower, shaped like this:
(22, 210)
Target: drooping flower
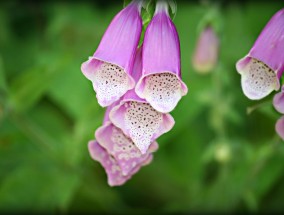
(161, 84)
(120, 146)
(122, 158)
(262, 68)
(113, 170)
(279, 127)
(278, 101)
(206, 51)
(110, 67)
(137, 118)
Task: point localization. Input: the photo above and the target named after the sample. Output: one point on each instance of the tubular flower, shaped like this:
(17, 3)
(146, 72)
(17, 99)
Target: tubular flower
(113, 170)
(206, 51)
(110, 67)
(262, 68)
(161, 84)
(122, 148)
(278, 101)
(280, 127)
(137, 118)
(117, 153)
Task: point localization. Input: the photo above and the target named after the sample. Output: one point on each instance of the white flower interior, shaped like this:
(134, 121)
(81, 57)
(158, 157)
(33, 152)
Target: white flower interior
(163, 91)
(143, 122)
(258, 80)
(110, 83)
(125, 151)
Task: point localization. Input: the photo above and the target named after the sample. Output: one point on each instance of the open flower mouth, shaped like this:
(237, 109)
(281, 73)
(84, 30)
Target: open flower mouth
(163, 91)
(143, 122)
(110, 165)
(110, 83)
(122, 148)
(258, 80)
(126, 153)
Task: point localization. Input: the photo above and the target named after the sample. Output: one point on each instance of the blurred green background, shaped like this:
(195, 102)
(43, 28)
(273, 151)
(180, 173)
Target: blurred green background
(222, 155)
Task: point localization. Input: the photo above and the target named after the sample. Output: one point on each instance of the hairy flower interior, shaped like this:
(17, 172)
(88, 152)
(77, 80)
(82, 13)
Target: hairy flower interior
(125, 152)
(110, 165)
(111, 82)
(163, 91)
(258, 80)
(143, 122)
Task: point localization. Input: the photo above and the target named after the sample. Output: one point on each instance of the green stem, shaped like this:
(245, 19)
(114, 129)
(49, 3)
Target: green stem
(256, 106)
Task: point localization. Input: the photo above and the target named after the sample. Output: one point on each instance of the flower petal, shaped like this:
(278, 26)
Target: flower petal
(121, 147)
(269, 46)
(98, 153)
(265, 57)
(280, 127)
(258, 80)
(162, 90)
(278, 101)
(110, 67)
(161, 60)
(109, 81)
(141, 122)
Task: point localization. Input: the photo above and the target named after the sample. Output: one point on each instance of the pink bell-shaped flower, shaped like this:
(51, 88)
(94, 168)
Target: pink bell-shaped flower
(137, 118)
(206, 51)
(263, 66)
(161, 84)
(110, 67)
(113, 170)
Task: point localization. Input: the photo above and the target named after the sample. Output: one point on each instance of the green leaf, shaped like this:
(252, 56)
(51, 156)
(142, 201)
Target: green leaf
(27, 88)
(74, 100)
(3, 85)
(147, 14)
(126, 2)
(43, 163)
(268, 169)
(37, 186)
(213, 18)
(173, 8)
(3, 91)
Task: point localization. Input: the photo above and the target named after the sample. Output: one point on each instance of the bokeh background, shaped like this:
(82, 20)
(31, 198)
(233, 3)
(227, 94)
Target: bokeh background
(222, 155)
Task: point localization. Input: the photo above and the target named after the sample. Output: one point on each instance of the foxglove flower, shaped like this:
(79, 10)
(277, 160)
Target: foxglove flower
(120, 146)
(113, 170)
(161, 84)
(206, 51)
(280, 127)
(137, 118)
(117, 153)
(278, 101)
(110, 67)
(262, 68)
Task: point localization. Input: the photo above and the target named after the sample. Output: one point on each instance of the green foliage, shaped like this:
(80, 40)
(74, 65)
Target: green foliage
(221, 156)
(3, 85)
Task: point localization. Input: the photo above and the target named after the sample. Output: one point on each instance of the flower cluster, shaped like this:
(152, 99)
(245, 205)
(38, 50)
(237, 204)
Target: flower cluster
(261, 69)
(138, 85)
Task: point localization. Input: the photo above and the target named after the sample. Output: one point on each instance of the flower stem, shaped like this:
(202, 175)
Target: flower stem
(162, 5)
